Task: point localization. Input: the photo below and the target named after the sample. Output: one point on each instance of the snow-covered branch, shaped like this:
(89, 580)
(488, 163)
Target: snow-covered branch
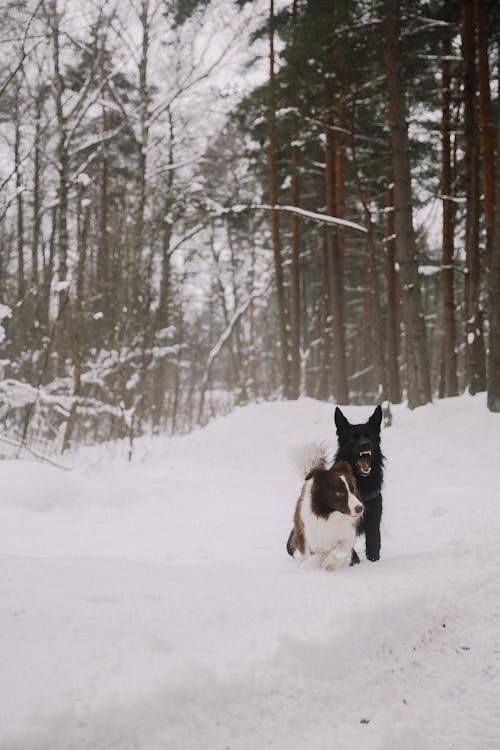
(312, 215)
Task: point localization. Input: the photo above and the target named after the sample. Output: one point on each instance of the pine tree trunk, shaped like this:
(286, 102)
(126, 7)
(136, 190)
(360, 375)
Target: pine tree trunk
(475, 368)
(417, 362)
(393, 322)
(487, 125)
(135, 301)
(295, 222)
(334, 245)
(375, 316)
(62, 213)
(494, 293)
(48, 273)
(340, 183)
(335, 281)
(21, 282)
(275, 219)
(37, 223)
(449, 371)
(77, 327)
(107, 302)
(162, 315)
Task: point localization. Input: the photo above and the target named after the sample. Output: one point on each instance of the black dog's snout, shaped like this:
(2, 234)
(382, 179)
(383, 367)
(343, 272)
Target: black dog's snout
(365, 445)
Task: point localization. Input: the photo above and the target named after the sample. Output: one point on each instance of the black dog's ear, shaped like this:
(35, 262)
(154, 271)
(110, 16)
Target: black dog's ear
(376, 418)
(340, 421)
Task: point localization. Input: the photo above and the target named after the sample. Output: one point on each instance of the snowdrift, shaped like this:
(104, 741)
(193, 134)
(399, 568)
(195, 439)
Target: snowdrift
(153, 605)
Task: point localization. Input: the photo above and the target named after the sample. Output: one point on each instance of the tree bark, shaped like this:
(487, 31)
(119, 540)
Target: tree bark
(475, 369)
(494, 294)
(340, 179)
(449, 371)
(135, 297)
(275, 219)
(374, 287)
(78, 325)
(393, 318)
(486, 124)
(417, 362)
(336, 295)
(62, 343)
(37, 223)
(295, 222)
(333, 248)
(103, 260)
(162, 315)
(21, 281)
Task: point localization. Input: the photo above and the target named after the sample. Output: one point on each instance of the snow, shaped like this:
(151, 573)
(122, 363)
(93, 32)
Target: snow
(83, 179)
(429, 270)
(152, 604)
(5, 312)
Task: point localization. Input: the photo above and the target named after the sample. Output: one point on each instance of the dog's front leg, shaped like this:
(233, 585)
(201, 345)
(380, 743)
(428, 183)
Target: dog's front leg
(338, 557)
(371, 519)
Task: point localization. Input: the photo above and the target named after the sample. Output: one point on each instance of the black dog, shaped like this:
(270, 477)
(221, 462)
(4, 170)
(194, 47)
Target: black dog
(360, 445)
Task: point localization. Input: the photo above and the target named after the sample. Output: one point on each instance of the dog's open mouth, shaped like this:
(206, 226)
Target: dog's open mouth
(364, 462)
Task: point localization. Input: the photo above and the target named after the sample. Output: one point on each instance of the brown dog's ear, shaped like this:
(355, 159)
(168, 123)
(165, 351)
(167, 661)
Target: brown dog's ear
(319, 475)
(344, 466)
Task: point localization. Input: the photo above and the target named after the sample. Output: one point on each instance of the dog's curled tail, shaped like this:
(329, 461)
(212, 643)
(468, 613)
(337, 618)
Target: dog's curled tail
(309, 456)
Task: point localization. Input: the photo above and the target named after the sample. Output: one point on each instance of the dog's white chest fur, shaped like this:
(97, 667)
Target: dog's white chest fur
(332, 538)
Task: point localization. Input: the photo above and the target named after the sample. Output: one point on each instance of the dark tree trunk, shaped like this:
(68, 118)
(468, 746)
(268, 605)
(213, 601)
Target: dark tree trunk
(78, 324)
(417, 363)
(393, 322)
(275, 219)
(107, 303)
(333, 245)
(449, 357)
(62, 212)
(295, 221)
(37, 224)
(475, 366)
(162, 315)
(136, 301)
(374, 286)
(340, 183)
(21, 281)
(48, 273)
(487, 125)
(334, 269)
(494, 293)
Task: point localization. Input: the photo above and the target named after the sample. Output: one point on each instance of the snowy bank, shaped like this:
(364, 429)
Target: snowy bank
(153, 605)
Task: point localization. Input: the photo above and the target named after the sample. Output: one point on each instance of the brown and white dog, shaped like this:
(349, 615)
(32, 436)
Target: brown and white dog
(327, 515)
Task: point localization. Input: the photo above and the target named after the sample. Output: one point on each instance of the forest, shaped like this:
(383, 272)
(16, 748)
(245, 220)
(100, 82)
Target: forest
(205, 204)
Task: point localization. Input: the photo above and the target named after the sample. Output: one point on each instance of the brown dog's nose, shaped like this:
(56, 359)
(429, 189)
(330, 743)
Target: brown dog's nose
(358, 509)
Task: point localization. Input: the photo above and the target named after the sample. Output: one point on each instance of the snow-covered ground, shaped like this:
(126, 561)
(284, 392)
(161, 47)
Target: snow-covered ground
(152, 605)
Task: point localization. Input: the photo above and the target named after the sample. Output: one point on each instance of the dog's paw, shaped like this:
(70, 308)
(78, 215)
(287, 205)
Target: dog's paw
(330, 564)
(334, 561)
